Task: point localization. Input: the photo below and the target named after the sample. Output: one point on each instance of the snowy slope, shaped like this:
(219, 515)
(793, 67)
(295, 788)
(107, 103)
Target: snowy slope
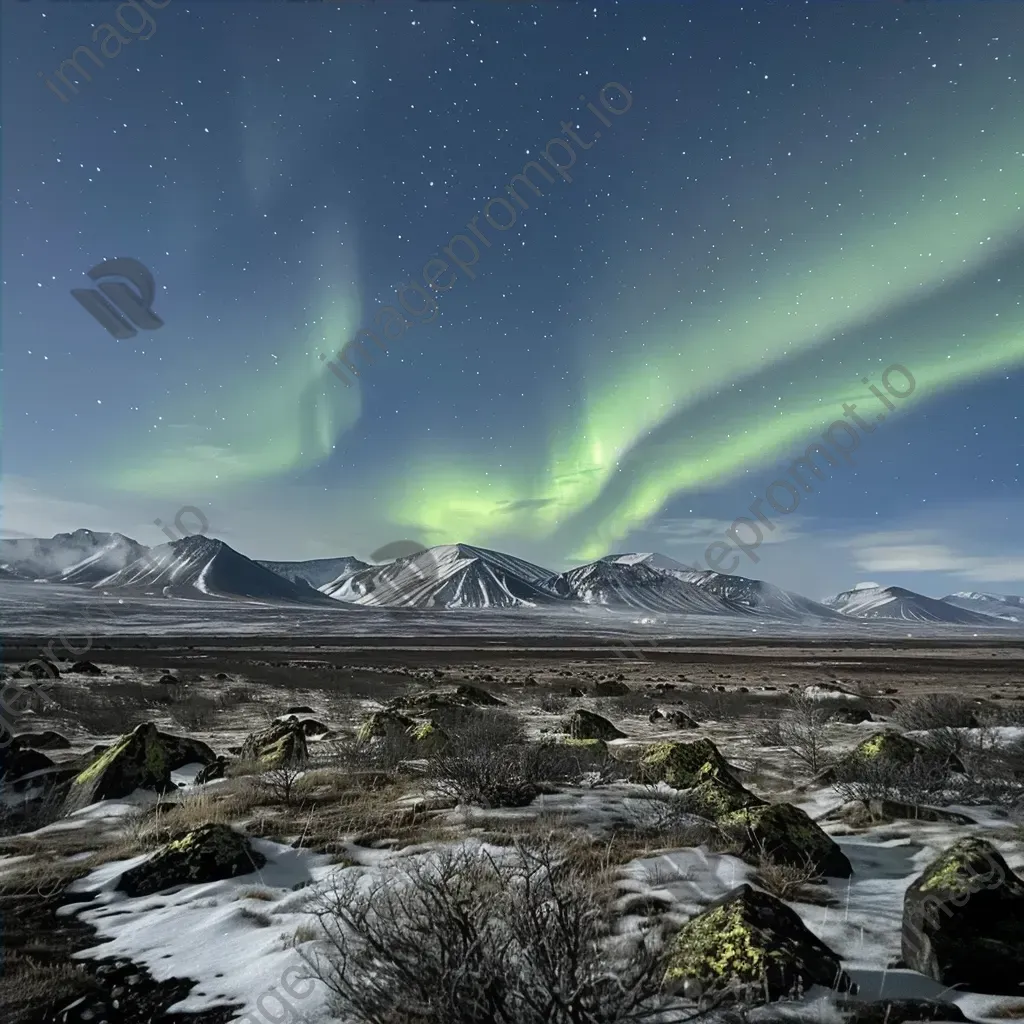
(448, 576)
(117, 553)
(897, 603)
(52, 557)
(636, 585)
(315, 571)
(754, 595)
(204, 567)
(1004, 606)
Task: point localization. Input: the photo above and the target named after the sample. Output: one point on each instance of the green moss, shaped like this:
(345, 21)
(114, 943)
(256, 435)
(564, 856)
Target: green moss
(717, 945)
(955, 872)
(888, 744)
(679, 764)
(598, 746)
(104, 760)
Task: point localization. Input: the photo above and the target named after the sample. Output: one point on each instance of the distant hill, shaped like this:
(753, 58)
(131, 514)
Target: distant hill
(868, 602)
(315, 571)
(202, 566)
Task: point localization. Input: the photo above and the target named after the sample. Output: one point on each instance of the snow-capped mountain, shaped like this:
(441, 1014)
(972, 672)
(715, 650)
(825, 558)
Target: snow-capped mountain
(88, 556)
(448, 576)
(760, 597)
(1002, 606)
(634, 584)
(736, 591)
(315, 571)
(896, 603)
(204, 567)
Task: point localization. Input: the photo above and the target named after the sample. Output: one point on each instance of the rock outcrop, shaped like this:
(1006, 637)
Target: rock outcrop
(963, 920)
(206, 854)
(752, 939)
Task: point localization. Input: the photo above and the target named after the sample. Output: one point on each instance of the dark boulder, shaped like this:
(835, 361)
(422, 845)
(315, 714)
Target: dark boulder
(301, 709)
(17, 761)
(681, 720)
(718, 794)
(851, 716)
(45, 740)
(281, 744)
(86, 668)
(963, 921)
(41, 668)
(206, 854)
(611, 688)
(168, 680)
(215, 770)
(679, 764)
(788, 836)
(138, 760)
(141, 759)
(585, 725)
(752, 939)
(384, 724)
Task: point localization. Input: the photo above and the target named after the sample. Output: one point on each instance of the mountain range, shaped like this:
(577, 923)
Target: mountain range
(452, 576)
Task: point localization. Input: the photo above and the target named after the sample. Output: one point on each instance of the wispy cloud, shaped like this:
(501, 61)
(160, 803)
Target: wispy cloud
(931, 551)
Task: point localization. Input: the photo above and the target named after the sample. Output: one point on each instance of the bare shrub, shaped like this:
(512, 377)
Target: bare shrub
(879, 778)
(280, 782)
(770, 734)
(801, 882)
(555, 703)
(803, 732)
(195, 711)
(635, 704)
(471, 938)
(936, 711)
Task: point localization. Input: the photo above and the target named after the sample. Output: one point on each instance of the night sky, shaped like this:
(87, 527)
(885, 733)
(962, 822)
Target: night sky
(796, 197)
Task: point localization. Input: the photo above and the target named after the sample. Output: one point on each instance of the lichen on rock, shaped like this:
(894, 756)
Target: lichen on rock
(963, 920)
(751, 938)
(679, 764)
(208, 853)
(787, 835)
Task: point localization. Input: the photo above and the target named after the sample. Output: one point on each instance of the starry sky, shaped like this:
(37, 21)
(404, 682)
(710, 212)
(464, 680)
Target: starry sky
(786, 200)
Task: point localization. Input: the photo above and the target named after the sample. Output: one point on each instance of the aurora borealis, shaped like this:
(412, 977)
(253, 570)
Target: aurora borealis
(799, 196)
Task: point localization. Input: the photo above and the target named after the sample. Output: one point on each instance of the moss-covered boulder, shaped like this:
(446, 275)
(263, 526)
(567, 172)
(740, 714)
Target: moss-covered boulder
(206, 854)
(718, 794)
(281, 744)
(963, 920)
(429, 737)
(679, 764)
(752, 938)
(896, 749)
(586, 725)
(186, 750)
(141, 759)
(386, 724)
(788, 836)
